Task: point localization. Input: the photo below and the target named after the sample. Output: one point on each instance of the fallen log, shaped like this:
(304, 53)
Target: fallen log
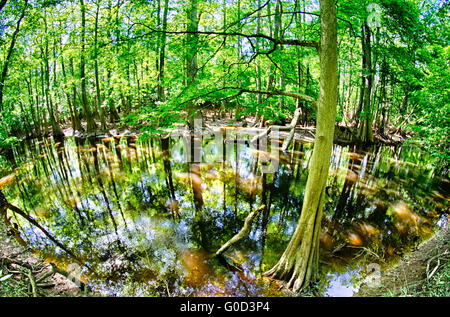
(290, 127)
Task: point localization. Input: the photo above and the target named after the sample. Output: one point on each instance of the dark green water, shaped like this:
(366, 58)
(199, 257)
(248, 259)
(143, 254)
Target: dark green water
(145, 223)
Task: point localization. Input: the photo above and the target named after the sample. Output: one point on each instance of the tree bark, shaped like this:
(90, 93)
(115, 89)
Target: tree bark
(10, 51)
(365, 133)
(91, 125)
(191, 55)
(299, 262)
(99, 100)
(162, 54)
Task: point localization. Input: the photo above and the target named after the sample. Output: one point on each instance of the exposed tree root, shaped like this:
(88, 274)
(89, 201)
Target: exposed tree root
(37, 275)
(32, 279)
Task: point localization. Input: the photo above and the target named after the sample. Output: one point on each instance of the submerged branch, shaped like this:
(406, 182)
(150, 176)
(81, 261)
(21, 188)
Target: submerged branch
(244, 231)
(82, 286)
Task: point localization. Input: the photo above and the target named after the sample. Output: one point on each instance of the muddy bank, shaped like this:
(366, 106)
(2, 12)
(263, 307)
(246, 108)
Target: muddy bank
(20, 266)
(414, 270)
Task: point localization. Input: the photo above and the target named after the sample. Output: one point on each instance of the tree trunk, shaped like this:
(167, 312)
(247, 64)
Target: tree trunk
(258, 69)
(382, 105)
(91, 125)
(162, 54)
(56, 130)
(300, 73)
(8, 56)
(299, 262)
(99, 99)
(271, 77)
(36, 126)
(191, 55)
(76, 113)
(365, 133)
(75, 120)
(45, 123)
(279, 34)
(346, 110)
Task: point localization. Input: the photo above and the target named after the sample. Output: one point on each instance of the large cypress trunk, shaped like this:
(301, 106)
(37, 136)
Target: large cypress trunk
(299, 262)
(9, 54)
(91, 126)
(191, 56)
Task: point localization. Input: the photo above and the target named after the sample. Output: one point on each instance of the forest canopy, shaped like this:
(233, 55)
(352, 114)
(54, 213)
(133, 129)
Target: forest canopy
(89, 64)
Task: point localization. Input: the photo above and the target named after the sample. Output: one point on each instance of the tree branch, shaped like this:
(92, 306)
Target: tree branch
(248, 15)
(2, 4)
(240, 91)
(280, 93)
(275, 41)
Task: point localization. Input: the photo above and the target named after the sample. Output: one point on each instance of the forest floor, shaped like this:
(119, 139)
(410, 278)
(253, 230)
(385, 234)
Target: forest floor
(23, 273)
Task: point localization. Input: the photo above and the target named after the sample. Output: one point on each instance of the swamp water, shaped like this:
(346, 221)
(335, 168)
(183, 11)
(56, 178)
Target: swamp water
(142, 222)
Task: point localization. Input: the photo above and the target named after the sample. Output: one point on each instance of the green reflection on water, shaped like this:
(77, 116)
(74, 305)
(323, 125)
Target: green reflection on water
(147, 224)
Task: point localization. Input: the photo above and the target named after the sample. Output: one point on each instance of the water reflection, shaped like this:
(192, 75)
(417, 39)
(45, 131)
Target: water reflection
(147, 224)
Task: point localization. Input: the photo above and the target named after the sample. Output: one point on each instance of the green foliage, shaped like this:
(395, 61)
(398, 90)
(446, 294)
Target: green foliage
(439, 284)
(124, 48)
(431, 120)
(5, 139)
(11, 287)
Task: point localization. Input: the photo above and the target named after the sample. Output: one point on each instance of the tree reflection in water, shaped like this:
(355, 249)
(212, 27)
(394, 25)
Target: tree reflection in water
(147, 223)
